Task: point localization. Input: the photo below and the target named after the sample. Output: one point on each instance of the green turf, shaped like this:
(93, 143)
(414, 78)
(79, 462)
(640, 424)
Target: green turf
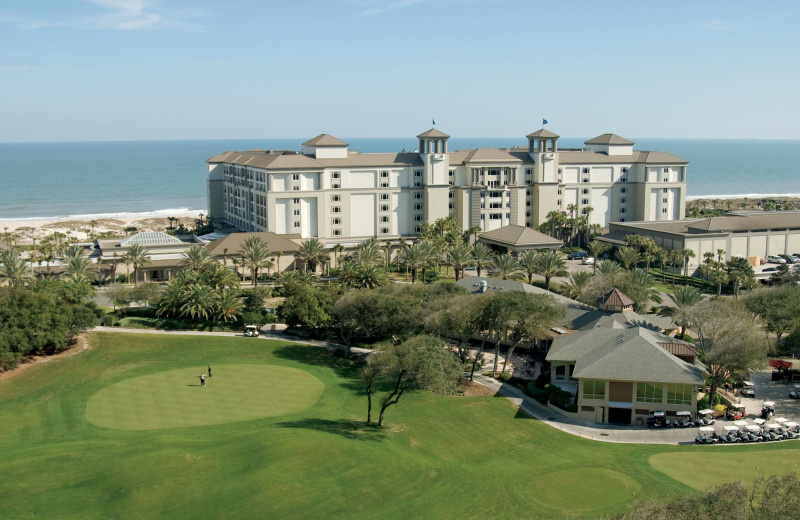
(438, 457)
(700, 470)
(175, 398)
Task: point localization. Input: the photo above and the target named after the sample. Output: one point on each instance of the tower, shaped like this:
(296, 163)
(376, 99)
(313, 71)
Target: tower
(543, 149)
(436, 167)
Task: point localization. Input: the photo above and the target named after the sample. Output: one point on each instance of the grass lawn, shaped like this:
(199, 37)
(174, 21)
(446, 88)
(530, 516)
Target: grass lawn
(121, 431)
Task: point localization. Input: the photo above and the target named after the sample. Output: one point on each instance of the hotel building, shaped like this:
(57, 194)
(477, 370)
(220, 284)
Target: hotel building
(336, 194)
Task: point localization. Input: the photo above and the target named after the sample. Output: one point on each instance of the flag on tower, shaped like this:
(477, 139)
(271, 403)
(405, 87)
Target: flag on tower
(434, 121)
(544, 122)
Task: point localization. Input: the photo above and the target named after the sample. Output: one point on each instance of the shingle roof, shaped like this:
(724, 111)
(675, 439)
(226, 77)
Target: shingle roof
(542, 134)
(591, 157)
(323, 140)
(616, 298)
(609, 139)
(633, 354)
(233, 243)
(621, 320)
(434, 133)
(716, 225)
(519, 236)
(490, 155)
(149, 238)
(373, 159)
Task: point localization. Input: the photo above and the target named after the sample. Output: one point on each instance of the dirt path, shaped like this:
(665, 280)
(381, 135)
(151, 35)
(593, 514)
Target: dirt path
(81, 345)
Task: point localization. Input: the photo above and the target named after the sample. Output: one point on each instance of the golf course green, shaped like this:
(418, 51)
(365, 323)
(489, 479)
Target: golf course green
(122, 430)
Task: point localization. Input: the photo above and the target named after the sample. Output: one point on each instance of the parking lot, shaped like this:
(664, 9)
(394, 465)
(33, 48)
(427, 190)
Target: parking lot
(767, 390)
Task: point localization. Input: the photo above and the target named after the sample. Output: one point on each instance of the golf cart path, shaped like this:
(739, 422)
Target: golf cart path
(597, 432)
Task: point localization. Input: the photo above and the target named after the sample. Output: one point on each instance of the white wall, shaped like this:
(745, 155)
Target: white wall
(601, 202)
(401, 217)
(280, 182)
(309, 181)
(308, 217)
(602, 173)
(362, 214)
(283, 216)
(569, 175)
(361, 179)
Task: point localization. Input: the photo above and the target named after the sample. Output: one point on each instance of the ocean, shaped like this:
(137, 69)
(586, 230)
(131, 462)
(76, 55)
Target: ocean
(97, 179)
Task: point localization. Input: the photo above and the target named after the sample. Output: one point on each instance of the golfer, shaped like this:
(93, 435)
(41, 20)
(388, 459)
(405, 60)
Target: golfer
(202, 380)
(209, 370)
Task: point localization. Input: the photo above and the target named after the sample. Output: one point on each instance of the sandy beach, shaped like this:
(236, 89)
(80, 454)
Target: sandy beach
(84, 227)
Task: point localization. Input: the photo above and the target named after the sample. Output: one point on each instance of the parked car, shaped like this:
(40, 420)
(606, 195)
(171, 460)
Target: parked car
(775, 260)
(770, 270)
(577, 255)
(589, 260)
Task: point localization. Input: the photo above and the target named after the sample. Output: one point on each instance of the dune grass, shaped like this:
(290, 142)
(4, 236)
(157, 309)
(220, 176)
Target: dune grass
(307, 454)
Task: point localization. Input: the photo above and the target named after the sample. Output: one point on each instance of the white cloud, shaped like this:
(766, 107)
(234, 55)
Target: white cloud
(390, 6)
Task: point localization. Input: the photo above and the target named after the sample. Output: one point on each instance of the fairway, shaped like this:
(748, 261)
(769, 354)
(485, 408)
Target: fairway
(711, 468)
(123, 430)
(175, 399)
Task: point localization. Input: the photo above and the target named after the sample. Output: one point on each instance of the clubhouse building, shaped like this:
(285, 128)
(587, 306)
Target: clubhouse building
(336, 194)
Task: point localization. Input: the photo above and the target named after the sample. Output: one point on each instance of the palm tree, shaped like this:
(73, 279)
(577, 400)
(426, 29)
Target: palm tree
(482, 254)
(368, 252)
(417, 256)
(628, 256)
(137, 256)
(577, 283)
(196, 258)
(720, 277)
(645, 281)
(220, 277)
(597, 249)
(78, 267)
(371, 276)
(459, 255)
(311, 253)
(255, 256)
(685, 299)
(550, 264)
(13, 269)
(609, 268)
(229, 305)
(199, 301)
(338, 249)
(687, 254)
(505, 267)
(348, 272)
(529, 262)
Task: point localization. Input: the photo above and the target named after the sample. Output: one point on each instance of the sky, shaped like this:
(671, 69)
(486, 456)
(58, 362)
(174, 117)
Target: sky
(98, 70)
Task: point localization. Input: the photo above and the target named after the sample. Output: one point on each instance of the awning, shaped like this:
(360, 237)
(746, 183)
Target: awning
(616, 404)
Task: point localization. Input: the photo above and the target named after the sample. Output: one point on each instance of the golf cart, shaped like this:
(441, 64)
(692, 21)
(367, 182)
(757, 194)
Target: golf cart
(706, 435)
(731, 434)
(683, 419)
(251, 331)
(795, 393)
(773, 431)
(791, 430)
(755, 433)
(705, 417)
(658, 420)
(768, 410)
(736, 412)
(749, 389)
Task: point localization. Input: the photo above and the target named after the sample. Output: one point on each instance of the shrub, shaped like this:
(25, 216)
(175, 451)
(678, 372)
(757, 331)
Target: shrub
(572, 408)
(505, 376)
(539, 394)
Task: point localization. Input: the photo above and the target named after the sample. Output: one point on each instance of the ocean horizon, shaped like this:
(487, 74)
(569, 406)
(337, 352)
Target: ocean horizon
(104, 179)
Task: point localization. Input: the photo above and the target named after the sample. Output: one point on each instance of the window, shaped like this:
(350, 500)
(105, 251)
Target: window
(508, 215)
(483, 217)
(495, 205)
(648, 393)
(624, 170)
(665, 170)
(417, 218)
(623, 179)
(417, 173)
(528, 203)
(384, 185)
(417, 207)
(623, 190)
(623, 200)
(296, 201)
(559, 171)
(296, 212)
(585, 179)
(451, 195)
(594, 389)
(584, 201)
(384, 207)
(417, 229)
(586, 170)
(295, 176)
(336, 232)
(417, 195)
(451, 173)
(584, 191)
(335, 198)
(336, 221)
(335, 186)
(664, 200)
(336, 209)
(528, 192)
(495, 216)
(296, 224)
(417, 184)
(558, 203)
(664, 210)
(384, 196)
(335, 175)
(528, 171)
(679, 394)
(295, 188)
(384, 175)
(528, 213)
(622, 219)
(385, 230)
(451, 206)
(559, 191)
(561, 372)
(528, 224)
(384, 219)
(664, 190)
(622, 211)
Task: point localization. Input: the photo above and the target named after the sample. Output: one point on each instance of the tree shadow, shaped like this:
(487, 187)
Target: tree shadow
(346, 369)
(346, 428)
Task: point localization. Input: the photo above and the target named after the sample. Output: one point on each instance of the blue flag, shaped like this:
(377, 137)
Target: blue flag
(434, 121)
(544, 122)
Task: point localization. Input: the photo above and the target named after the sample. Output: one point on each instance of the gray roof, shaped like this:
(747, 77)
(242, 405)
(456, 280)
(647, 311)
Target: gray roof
(282, 160)
(574, 310)
(633, 354)
(591, 157)
(621, 320)
(323, 140)
(490, 155)
(609, 139)
(233, 243)
(542, 134)
(434, 133)
(714, 225)
(519, 236)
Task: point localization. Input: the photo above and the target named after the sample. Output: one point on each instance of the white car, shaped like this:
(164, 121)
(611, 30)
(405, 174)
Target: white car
(775, 260)
(589, 260)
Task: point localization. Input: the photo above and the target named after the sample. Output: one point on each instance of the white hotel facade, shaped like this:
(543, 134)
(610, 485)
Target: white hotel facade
(335, 194)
